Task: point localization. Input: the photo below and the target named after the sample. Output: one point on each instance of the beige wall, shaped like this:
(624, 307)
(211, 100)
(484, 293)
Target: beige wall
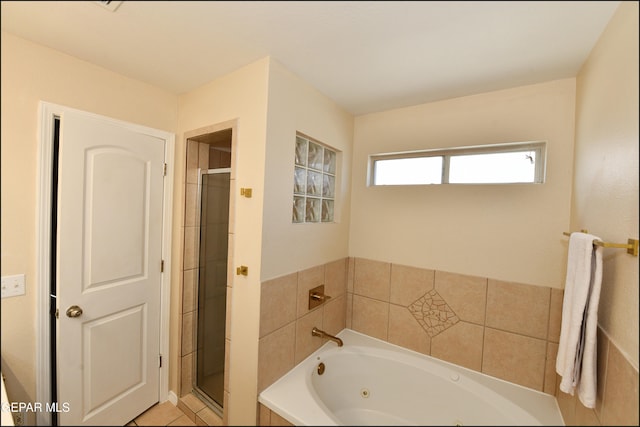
(241, 96)
(506, 232)
(294, 105)
(605, 197)
(33, 73)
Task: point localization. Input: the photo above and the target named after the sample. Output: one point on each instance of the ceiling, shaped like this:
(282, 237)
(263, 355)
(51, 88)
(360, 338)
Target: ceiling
(367, 56)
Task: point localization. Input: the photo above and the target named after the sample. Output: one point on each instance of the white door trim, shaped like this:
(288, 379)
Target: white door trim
(47, 112)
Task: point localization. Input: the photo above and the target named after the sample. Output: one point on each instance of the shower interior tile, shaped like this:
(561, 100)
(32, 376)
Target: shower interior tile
(191, 218)
(190, 253)
(187, 333)
(192, 162)
(203, 156)
(188, 291)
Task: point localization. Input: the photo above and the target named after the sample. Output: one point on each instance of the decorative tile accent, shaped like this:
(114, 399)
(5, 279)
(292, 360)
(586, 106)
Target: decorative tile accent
(433, 313)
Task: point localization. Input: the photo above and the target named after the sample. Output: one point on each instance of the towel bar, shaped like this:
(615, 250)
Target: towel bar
(631, 246)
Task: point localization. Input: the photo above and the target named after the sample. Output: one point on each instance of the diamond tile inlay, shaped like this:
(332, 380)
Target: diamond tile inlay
(433, 313)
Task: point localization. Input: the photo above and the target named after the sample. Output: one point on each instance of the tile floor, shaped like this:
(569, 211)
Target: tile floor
(189, 412)
(163, 414)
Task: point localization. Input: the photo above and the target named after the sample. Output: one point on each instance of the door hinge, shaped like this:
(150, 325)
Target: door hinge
(162, 266)
(165, 170)
(159, 361)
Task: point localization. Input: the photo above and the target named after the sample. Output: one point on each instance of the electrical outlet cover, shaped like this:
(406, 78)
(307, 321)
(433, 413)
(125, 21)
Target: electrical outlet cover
(13, 285)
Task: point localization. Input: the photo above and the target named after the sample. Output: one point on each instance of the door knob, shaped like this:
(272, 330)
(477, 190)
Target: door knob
(74, 311)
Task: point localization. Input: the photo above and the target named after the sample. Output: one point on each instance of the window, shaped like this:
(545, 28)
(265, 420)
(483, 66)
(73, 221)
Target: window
(314, 181)
(522, 162)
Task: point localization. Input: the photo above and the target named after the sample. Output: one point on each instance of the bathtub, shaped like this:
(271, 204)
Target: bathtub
(372, 382)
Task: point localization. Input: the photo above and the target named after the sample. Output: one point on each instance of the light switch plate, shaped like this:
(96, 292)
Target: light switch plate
(12, 285)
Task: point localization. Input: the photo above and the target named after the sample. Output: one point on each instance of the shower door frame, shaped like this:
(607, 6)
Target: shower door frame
(215, 406)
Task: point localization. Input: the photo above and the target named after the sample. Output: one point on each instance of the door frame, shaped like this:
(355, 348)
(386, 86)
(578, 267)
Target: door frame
(47, 113)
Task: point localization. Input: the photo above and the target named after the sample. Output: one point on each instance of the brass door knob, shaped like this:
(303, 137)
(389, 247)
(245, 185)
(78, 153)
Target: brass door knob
(74, 311)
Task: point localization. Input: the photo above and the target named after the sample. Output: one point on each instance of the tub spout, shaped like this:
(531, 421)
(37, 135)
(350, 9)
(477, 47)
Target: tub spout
(322, 334)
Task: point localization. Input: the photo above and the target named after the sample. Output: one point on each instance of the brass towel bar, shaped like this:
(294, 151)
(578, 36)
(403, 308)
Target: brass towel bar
(631, 246)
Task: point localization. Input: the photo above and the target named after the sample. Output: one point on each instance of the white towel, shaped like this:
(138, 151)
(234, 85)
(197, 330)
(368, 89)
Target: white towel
(577, 351)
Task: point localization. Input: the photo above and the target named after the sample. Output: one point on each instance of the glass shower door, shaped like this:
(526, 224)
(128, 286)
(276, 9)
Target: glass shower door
(212, 286)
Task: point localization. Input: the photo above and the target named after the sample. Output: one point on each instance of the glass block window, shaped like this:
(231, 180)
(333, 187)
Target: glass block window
(314, 181)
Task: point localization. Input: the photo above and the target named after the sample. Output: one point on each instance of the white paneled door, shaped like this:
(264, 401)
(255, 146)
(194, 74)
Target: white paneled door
(110, 211)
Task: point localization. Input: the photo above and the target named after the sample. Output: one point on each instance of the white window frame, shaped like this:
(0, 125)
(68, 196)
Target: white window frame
(539, 147)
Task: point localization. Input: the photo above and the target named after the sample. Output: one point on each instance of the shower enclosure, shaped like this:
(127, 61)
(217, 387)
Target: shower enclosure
(214, 186)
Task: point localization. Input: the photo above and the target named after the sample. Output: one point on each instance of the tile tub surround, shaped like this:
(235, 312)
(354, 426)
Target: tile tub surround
(617, 392)
(504, 329)
(286, 321)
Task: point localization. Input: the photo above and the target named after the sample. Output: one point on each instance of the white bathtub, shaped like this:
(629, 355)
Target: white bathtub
(372, 382)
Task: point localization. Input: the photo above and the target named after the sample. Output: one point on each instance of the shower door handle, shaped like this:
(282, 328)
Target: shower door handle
(74, 311)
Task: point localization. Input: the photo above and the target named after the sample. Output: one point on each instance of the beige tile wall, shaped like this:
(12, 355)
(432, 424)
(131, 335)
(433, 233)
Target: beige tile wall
(190, 263)
(267, 417)
(504, 329)
(286, 321)
(617, 393)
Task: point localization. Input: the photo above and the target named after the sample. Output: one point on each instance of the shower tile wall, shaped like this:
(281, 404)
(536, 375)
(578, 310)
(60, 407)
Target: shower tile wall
(503, 329)
(200, 156)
